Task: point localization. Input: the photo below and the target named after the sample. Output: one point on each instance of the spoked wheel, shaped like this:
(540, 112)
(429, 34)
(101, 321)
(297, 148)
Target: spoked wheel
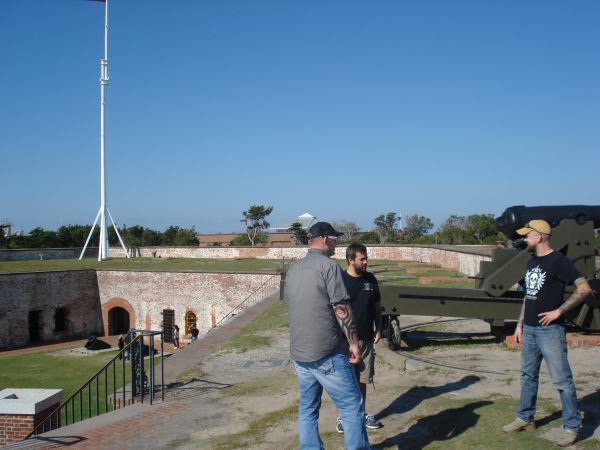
(588, 316)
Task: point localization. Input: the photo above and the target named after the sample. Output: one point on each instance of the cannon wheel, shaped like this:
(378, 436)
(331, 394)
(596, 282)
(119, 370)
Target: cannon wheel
(393, 333)
(588, 317)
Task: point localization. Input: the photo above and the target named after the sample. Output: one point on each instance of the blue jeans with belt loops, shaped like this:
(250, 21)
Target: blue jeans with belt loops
(547, 342)
(334, 374)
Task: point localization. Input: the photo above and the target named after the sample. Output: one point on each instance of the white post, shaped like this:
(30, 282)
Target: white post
(103, 245)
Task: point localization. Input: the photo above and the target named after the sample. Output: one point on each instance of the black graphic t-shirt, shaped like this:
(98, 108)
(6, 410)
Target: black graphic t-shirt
(364, 292)
(545, 282)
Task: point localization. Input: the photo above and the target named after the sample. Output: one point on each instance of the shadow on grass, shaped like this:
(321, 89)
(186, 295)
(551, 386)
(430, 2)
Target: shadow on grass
(192, 388)
(590, 406)
(442, 426)
(411, 398)
(417, 340)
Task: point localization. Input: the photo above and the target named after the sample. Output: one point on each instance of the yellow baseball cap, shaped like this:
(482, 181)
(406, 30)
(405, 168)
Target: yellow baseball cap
(541, 226)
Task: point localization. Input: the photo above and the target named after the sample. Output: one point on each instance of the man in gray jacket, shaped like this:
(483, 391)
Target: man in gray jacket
(319, 317)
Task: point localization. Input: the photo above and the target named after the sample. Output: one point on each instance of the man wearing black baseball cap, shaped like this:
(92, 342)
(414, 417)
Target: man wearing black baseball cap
(319, 315)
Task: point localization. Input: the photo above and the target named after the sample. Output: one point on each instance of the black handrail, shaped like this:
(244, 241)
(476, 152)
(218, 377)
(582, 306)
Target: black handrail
(60, 416)
(262, 292)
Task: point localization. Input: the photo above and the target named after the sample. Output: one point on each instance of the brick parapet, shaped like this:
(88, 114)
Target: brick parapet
(461, 259)
(16, 427)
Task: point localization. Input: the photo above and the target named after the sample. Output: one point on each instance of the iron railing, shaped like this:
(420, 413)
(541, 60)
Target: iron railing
(268, 287)
(113, 387)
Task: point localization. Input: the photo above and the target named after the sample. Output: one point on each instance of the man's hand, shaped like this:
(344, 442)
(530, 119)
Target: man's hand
(377, 337)
(519, 336)
(354, 357)
(548, 317)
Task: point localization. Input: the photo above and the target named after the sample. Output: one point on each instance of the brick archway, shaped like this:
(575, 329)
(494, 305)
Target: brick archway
(120, 303)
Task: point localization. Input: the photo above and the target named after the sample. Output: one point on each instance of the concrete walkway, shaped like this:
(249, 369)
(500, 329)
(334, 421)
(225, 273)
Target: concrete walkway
(133, 426)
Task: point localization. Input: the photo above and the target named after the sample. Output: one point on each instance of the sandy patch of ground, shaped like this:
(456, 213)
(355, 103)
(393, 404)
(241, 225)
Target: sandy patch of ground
(420, 404)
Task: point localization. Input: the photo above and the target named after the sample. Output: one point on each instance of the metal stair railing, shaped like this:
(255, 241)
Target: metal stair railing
(95, 397)
(268, 287)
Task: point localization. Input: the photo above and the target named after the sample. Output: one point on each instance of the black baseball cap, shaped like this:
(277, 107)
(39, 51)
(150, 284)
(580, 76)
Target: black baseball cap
(323, 229)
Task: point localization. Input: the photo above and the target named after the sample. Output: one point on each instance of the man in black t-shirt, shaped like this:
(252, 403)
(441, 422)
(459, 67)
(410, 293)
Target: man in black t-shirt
(540, 332)
(365, 301)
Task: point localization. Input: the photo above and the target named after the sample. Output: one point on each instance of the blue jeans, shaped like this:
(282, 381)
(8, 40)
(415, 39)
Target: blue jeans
(549, 343)
(334, 374)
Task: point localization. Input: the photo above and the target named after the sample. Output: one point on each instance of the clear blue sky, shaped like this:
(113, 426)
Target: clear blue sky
(344, 109)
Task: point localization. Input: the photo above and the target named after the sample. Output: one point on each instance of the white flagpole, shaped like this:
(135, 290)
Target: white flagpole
(103, 244)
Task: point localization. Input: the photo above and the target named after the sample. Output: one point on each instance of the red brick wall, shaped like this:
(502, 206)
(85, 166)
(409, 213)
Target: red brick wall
(112, 303)
(16, 427)
(75, 291)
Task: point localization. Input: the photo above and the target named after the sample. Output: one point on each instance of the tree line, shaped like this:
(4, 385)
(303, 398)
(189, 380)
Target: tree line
(474, 229)
(74, 236)
(415, 229)
(456, 230)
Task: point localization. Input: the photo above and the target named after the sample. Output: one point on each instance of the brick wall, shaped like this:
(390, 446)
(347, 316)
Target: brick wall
(16, 427)
(208, 295)
(461, 260)
(88, 296)
(74, 291)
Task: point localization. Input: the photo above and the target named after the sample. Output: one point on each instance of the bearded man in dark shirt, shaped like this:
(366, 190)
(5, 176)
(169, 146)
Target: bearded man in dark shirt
(365, 301)
(540, 332)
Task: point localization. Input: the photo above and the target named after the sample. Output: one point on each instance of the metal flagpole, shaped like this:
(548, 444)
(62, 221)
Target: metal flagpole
(103, 244)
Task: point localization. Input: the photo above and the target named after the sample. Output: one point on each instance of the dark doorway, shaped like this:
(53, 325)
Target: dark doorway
(118, 321)
(168, 322)
(34, 326)
(60, 319)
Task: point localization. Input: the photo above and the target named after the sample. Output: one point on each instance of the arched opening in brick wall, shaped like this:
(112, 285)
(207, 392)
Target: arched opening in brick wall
(190, 320)
(118, 321)
(118, 316)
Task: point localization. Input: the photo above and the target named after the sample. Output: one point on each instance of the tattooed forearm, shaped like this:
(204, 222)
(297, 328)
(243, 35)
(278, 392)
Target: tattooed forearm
(582, 291)
(343, 314)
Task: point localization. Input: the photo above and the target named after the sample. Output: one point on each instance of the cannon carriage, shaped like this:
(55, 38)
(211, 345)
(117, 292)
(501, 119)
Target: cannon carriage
(497, 297)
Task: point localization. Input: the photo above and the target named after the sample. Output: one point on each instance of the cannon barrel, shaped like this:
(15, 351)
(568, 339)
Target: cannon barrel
(516, 217)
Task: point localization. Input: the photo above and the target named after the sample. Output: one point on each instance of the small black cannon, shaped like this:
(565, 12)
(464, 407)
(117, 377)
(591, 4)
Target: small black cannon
(495, 297)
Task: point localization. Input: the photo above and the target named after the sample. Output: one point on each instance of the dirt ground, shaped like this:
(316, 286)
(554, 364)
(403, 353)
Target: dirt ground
(248, 399)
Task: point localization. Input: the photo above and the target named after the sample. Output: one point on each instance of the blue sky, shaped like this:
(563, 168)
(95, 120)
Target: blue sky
(344, 109)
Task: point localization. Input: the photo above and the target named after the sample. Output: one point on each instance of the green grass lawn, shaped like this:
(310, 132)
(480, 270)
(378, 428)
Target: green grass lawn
(42, 370)
(146, 264)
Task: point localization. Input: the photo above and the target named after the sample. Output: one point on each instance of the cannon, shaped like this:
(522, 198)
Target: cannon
(496, 297)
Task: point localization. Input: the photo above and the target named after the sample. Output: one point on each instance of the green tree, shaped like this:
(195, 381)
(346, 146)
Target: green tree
(300, 234)
(386, 226)
(181, 237)
(473, 229)
(453, 231)
(244, 241)
(368, 237)
(151, 238)
(40, 238)
(482, 228)
(186, 237)
(133, 236)
(416, 226)
(255, 221)
(4, 240)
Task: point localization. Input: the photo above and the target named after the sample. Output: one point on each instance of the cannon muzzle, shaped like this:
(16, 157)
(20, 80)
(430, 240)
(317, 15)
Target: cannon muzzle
(516, 217)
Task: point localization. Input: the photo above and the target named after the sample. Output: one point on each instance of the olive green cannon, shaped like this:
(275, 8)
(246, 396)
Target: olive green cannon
(497, 297)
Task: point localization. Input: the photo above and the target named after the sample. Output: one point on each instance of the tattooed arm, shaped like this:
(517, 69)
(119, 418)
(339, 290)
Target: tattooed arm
(343, 314)
(582, 290)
